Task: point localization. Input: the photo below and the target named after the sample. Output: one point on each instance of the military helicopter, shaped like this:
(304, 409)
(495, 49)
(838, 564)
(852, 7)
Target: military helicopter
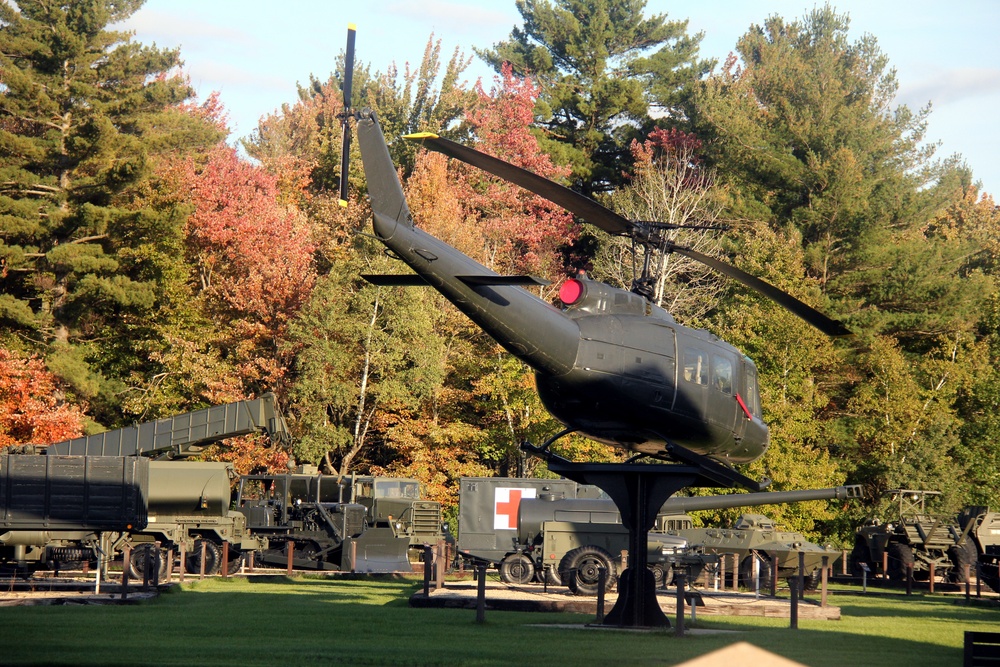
(608, 363)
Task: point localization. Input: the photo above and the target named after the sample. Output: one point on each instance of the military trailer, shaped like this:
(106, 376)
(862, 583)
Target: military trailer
(396, 503)
(911, 537)
(983, 528)
(55, 509)
(302, 516)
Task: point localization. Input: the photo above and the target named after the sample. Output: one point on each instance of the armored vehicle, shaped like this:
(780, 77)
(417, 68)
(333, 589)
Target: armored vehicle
(909, 536)
(301, 514)
(758, 544)
(396, 503)
(983, 528)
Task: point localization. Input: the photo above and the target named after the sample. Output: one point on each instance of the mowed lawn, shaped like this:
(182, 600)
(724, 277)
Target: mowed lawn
(331, 621)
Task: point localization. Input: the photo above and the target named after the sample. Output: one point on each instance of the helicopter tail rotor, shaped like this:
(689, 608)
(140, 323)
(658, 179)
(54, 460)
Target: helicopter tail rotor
(345, 154)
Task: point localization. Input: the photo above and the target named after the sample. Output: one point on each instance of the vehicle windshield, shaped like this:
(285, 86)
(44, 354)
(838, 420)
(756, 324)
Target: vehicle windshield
(397, 489)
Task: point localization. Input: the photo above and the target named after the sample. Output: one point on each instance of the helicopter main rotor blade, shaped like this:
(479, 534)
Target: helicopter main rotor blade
(825, 324)
(345, 154)
(609, 221)
(574, 202)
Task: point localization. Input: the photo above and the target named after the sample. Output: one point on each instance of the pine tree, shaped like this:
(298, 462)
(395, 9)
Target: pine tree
(84, 114)
(601, 66)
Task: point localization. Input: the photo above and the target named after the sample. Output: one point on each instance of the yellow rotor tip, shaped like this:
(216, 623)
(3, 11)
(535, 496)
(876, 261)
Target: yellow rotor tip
(352, 26)
(343, 203)
(417, 136)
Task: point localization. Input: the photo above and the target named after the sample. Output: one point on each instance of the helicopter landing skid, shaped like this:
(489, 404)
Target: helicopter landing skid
(639, 491)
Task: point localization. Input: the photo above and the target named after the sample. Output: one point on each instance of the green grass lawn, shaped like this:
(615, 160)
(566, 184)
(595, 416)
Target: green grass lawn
(316, 621)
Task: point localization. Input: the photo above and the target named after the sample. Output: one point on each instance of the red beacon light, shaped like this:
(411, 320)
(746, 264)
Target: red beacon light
(571, 291)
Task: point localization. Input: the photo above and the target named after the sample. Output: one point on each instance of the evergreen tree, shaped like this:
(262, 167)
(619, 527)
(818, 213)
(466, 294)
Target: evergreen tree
(84, 113)
(601, 66)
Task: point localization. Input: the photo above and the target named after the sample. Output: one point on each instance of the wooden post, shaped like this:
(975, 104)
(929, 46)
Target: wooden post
(793, 583)
(602, 580)
(440, 564)
(170, 565)
(843, 562)
(736, 572)
(183, 562)
(225, 559)
(802, 575)
(885, 565)
(126, 555)
(481, 594)
(681, 581)
(428, 563)
(722, 572)
(291, 555)
(930, 580)
(204, 553)
(823, 581)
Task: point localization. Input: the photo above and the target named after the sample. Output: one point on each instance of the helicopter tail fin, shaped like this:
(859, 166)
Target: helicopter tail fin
(388, 201)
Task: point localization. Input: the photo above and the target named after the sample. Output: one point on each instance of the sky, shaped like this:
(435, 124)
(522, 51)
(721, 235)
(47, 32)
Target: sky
(255, 52)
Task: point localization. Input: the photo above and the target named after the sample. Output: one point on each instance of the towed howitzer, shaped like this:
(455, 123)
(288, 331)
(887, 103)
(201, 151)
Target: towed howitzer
(569, 539)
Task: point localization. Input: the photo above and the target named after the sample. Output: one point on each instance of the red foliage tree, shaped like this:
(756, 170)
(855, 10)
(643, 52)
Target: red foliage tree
(32, 408)
(254, 259)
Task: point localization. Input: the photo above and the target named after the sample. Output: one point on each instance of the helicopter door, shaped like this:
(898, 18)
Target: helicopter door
(722, 406)
(692, 385)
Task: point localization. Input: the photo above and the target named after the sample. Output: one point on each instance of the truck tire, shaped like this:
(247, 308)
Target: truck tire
(663, 575)
(549, 574)
(900, 560)
(580, 568)
(765, 573)
(137, 562)
(213, 557)
(962, 555)
(517, 569)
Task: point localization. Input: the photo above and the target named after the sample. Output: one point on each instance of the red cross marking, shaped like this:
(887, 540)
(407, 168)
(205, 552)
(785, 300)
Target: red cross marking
(509, 508)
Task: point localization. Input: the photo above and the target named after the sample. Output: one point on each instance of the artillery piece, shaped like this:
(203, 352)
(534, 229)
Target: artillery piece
(913, 538)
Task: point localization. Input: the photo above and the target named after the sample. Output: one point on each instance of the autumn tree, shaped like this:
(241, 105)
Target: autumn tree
(84, 112)
(601, 65)
(33, 407)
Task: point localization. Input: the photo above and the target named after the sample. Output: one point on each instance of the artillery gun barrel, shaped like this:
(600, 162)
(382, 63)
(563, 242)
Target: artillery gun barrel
(694, 503)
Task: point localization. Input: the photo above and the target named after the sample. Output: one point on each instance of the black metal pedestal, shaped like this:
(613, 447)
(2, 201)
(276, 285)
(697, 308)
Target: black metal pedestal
(639, 490)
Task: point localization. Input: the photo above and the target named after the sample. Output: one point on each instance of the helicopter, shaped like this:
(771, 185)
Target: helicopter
(609, 364)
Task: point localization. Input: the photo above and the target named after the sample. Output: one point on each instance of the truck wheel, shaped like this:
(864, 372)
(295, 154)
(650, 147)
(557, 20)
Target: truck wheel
(811, 581)
(662, 574)
(235, 562)
(137, 562)
(213, 558)
(765, 572)
(549, 574)
(580, 569)
(900, 560)
(517, 569)
(962, 555)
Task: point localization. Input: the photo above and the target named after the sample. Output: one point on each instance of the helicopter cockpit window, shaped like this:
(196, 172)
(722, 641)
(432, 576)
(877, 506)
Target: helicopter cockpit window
(722, 374)
(695, 365)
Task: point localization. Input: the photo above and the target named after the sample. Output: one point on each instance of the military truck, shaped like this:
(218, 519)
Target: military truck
(189, 513)
(560, 537)
(396, 503)
(302, 516)
(54, 510)
(908, 536)
(983, 528)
